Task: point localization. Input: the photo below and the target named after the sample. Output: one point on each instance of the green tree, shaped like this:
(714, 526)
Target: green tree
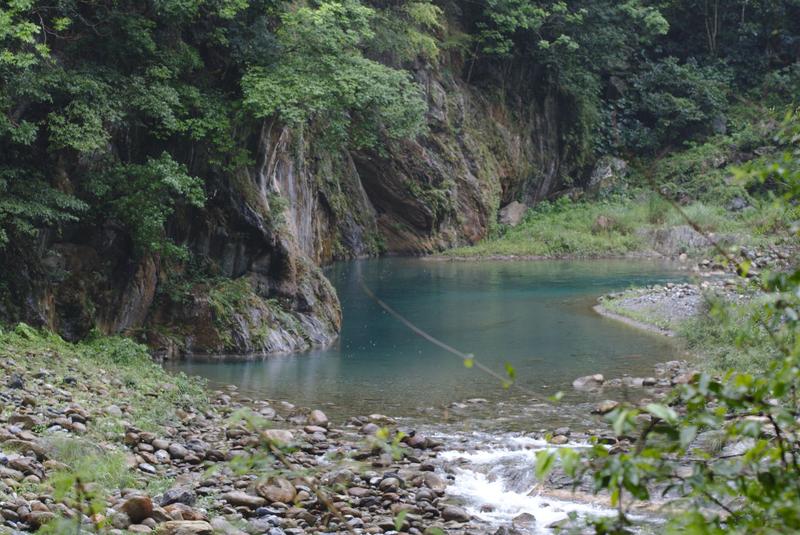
(322, 77)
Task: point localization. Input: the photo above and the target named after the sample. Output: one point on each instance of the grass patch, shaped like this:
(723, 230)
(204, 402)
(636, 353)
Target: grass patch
(563, 228)
(102, 363)
(619, 226)
(733, 336)
(106, 468)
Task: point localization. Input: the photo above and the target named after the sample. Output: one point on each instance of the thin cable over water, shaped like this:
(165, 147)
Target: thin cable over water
(465, 357)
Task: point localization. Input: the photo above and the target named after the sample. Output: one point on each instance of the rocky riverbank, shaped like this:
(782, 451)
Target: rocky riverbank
(665, 308)
(86, 438)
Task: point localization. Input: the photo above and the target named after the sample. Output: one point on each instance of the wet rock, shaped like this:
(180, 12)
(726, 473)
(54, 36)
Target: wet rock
(358, 492)
(160, 515)
(223, 527)
(559, 440)
(425, 495)
(120, 520)
(369, 429)
(355, 523)
(434, 482)
(25, 421)
(524, 520)
(147, 468)
(16, 381)
(317, 418)
(180, 511)
(9, 473)
(389, 484)
(238, 498)
(176, 451)
(455, 513)
(684, 378)
(78, 428)
(606, 406)
(416, 441)
(160, 444)
(278, 436)
(37, 519)
(339, 477)
(588, 382)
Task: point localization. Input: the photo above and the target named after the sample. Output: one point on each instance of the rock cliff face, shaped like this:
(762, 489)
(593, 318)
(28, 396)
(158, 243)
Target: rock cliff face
(439, 190)
(253, 284)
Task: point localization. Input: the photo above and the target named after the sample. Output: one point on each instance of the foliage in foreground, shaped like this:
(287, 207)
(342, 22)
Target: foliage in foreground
(723, 450)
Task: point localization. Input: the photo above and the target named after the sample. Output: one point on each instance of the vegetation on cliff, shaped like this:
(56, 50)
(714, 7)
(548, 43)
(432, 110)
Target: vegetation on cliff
(123, 110)
(628, 211)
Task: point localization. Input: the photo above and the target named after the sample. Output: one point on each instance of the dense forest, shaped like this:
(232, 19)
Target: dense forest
(180, 179)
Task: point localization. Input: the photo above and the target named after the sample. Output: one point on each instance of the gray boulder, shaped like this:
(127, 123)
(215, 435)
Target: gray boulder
(512, 214)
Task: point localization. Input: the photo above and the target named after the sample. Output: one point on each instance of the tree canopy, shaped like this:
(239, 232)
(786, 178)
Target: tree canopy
(105, 105)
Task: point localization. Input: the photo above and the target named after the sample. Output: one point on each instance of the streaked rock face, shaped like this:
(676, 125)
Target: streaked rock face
(300, 205)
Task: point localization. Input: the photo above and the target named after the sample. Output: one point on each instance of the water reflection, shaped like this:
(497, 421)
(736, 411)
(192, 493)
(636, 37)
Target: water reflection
(535, 315)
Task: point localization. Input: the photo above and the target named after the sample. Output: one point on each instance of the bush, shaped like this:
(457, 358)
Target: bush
(668, 102)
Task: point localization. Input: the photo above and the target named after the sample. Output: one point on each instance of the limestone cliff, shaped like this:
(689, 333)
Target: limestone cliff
(252, 282)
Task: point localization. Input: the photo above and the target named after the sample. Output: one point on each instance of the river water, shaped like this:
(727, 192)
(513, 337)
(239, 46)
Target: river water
(536, 316)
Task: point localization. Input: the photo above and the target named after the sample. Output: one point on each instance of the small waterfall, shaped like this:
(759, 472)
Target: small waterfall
(495, 480)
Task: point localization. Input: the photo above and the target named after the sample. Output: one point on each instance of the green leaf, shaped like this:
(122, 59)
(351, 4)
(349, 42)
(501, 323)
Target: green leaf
(663, 412)
(687, 435)
(570, 460)
(621, 420)
(743, 268)
(512, 373)
(545, 462)
(399, 520)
